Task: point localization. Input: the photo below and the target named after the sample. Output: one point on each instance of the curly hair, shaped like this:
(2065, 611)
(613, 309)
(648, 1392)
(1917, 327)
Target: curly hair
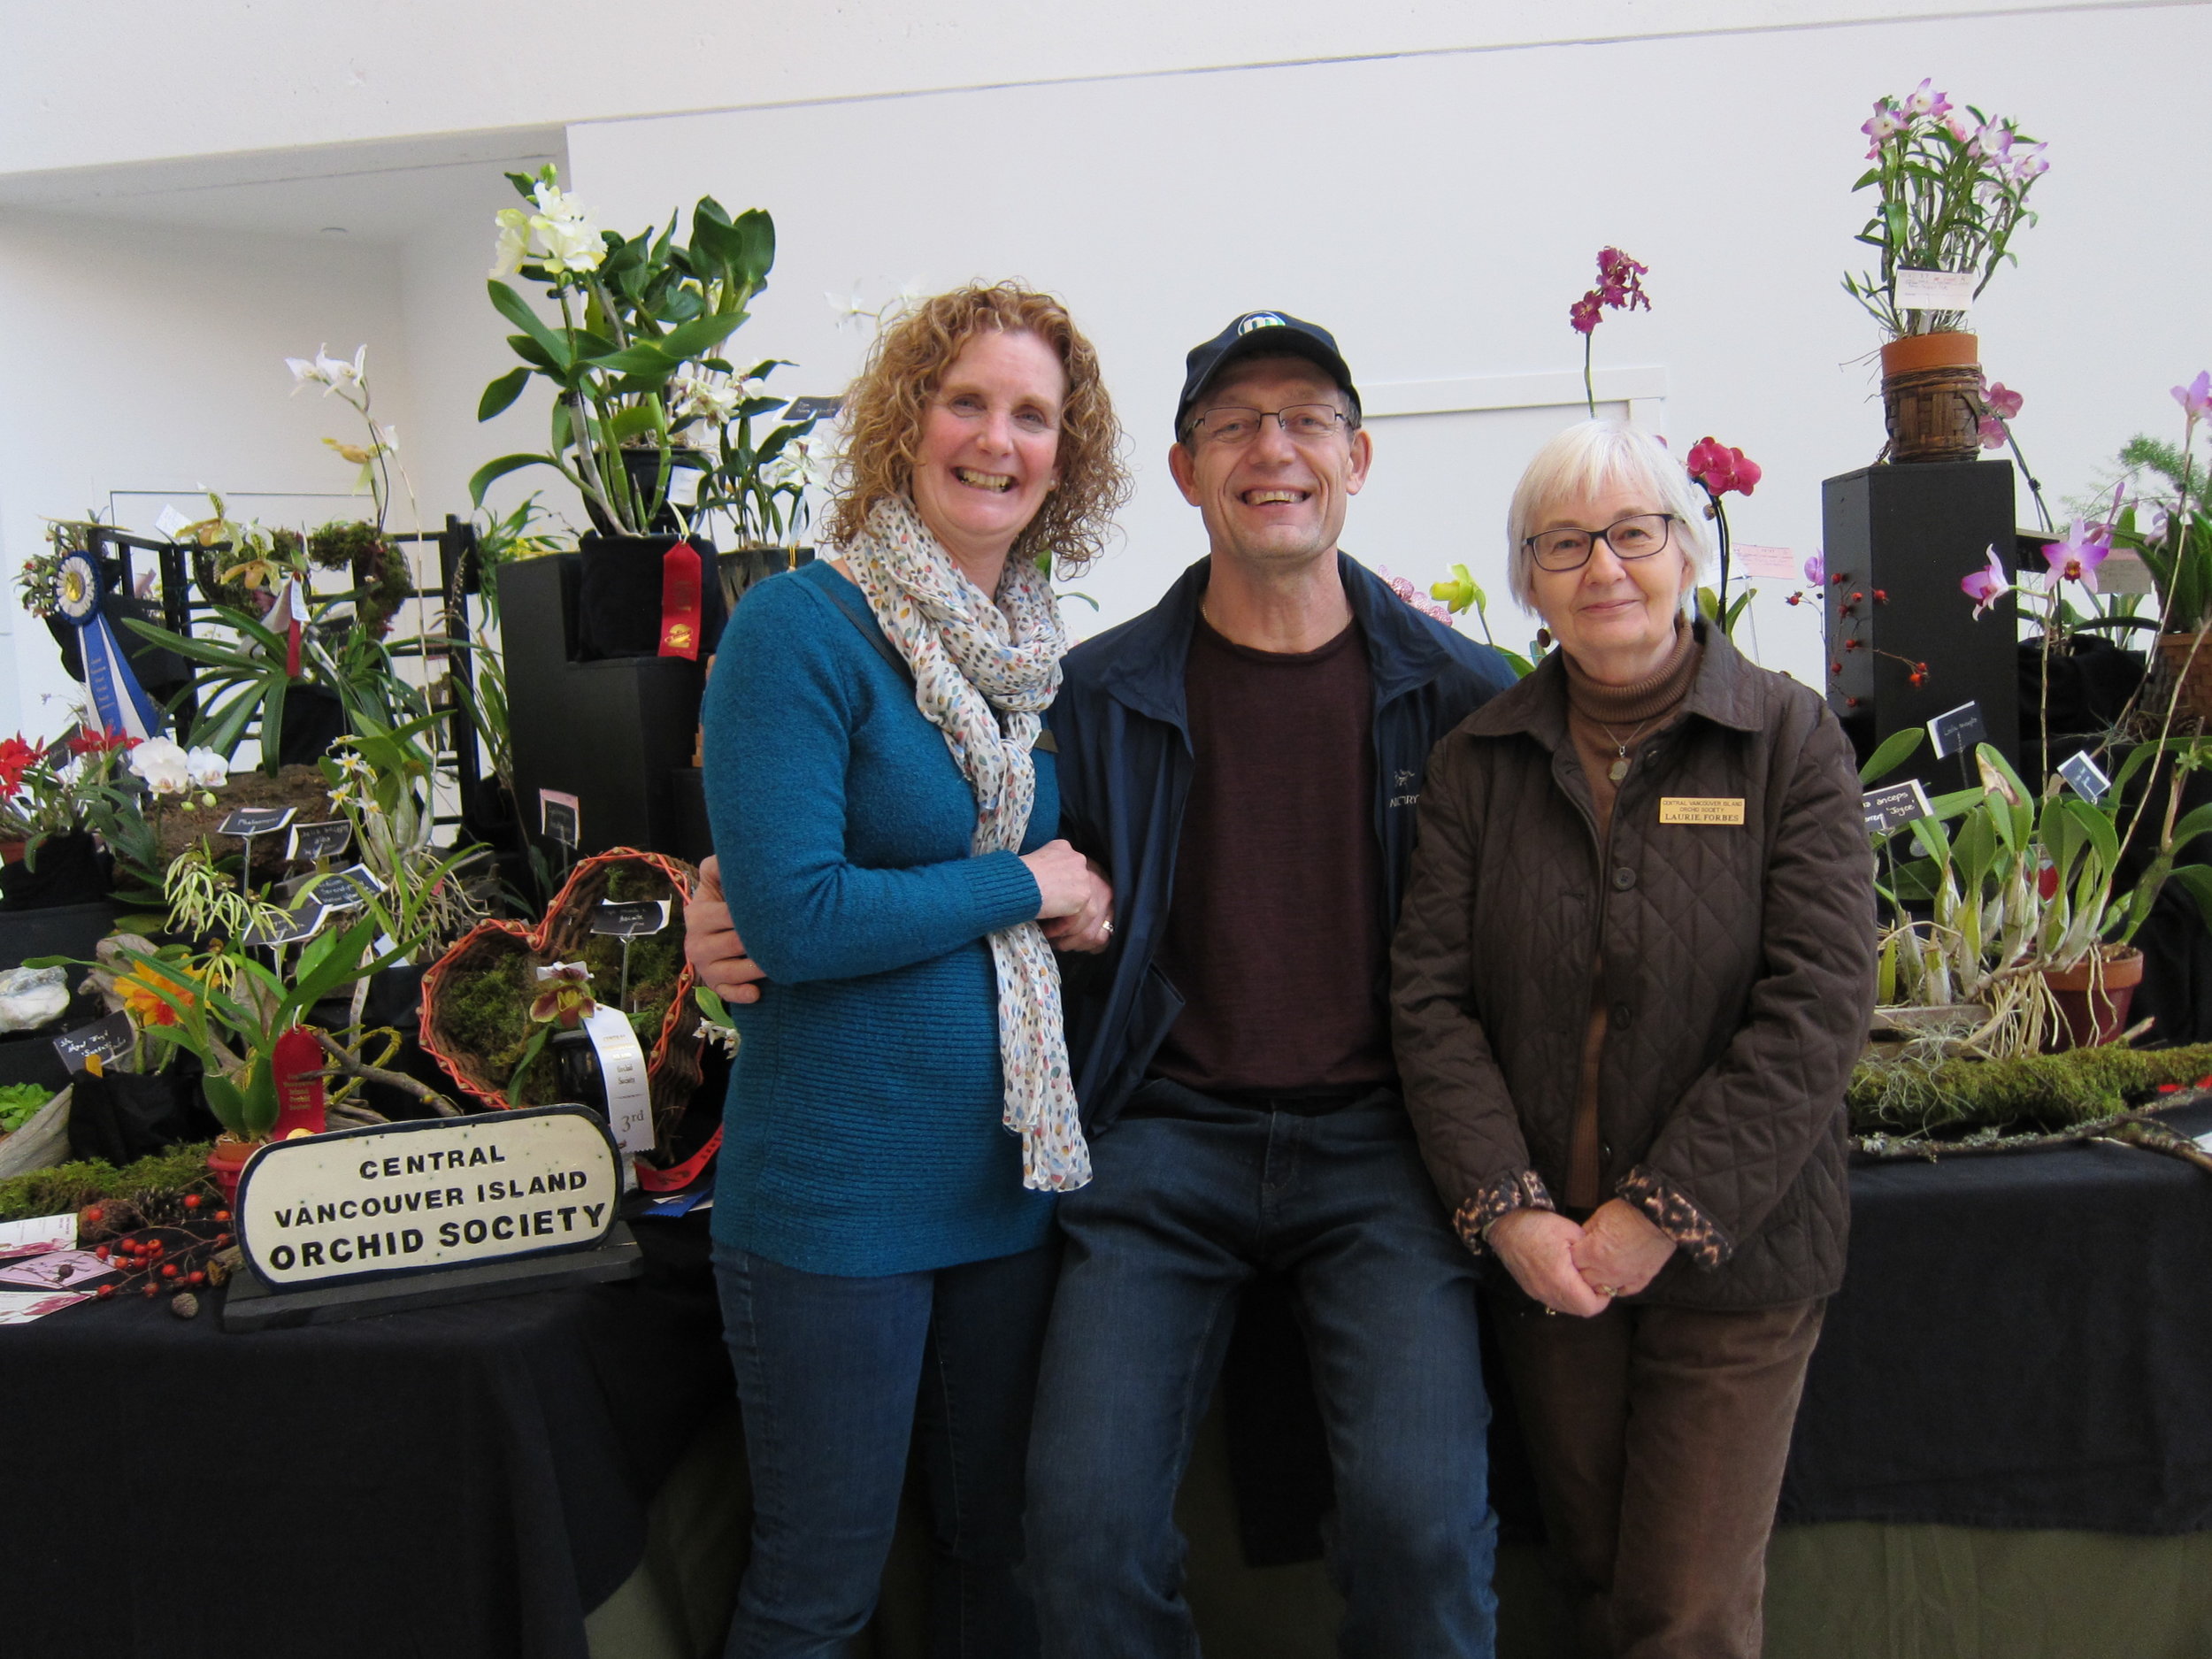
(887, 402)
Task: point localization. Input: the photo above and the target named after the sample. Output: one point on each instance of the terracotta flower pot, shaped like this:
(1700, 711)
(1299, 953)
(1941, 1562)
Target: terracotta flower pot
(1931, 397)
(2093, 999)
(227, 1161)
(2186, 660)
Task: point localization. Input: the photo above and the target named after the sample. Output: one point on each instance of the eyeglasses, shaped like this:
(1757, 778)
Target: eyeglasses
(1638, 536)
(1228, 425)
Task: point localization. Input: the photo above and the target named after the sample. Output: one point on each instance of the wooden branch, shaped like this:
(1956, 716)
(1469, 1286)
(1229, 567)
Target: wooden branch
(352, 1067)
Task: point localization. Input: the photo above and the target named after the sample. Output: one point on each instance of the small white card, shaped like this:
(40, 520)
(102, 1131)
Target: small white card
(21, 1307)
(170, 521)
(2086, 776)
(41, 1232)
(1934, 290)
(2124, 573)
(1778, 564)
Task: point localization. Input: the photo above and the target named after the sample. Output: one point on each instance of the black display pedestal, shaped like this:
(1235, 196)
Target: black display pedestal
(1898, 539)
(612, 733)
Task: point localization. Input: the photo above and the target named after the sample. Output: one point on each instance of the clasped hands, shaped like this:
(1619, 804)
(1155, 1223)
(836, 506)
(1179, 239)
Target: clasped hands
(1580, 1270)
(1077, 913)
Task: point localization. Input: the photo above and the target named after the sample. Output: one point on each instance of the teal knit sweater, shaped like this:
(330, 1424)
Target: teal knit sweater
(862, 1132)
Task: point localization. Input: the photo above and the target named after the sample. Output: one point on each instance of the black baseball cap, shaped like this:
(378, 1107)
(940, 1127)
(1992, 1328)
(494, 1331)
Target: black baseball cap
(1262, 335)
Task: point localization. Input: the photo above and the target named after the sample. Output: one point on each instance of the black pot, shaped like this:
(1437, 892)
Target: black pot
(314, 718)
(576, 1065)
(123, 1118)
(618, 605)
(60, 870)
(643, 466)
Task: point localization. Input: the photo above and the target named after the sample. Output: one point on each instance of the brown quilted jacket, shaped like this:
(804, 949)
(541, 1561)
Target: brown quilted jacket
(1738, 969)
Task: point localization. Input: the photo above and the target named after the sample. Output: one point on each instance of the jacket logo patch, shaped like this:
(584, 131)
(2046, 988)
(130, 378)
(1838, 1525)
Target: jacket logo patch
(1405, 800)
(1690, 808)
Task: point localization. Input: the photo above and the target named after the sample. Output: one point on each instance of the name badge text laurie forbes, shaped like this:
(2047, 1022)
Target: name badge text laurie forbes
(412, 1197)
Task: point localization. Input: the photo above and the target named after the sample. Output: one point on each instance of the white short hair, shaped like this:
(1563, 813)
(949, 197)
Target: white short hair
(1587, 458)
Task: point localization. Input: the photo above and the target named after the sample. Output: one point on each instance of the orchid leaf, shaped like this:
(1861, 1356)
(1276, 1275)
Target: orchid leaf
(485, 475)
(502, 391)
(519, 311)
(1892, 752)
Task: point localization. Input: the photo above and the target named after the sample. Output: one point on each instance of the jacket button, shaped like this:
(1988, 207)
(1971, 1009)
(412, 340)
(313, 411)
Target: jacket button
(1622, 1013)
(1623, 879)
(1605, 1151)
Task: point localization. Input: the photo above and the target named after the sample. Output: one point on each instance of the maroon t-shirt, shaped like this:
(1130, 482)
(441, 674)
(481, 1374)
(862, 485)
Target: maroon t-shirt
(1275, 932)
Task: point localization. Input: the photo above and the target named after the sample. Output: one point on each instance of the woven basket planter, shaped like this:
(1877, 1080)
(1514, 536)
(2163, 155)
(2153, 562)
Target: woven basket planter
(1931, 397)
(672, 1059)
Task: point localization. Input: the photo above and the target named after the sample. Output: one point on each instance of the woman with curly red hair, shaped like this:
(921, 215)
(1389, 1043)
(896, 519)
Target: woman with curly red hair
(901, 1112)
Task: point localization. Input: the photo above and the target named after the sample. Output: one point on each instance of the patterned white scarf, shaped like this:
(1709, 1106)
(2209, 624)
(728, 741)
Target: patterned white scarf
(971, 660)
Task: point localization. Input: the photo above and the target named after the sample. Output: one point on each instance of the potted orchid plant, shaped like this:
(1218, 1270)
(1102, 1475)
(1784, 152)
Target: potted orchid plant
(1952, 186)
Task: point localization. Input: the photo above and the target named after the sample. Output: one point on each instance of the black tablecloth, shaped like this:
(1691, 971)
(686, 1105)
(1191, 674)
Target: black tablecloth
(466, 1480)
(2024, 1339)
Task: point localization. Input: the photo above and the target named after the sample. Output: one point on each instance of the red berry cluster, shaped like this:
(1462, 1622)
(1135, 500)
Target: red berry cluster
(154, 1258)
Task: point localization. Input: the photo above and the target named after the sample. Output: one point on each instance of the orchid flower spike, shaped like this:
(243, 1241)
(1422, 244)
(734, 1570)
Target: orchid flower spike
(1985, 587)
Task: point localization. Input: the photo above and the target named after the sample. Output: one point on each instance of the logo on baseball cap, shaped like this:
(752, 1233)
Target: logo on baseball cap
(1262, 335)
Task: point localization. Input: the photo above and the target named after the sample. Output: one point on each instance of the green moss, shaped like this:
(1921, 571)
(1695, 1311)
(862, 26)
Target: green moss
(1953, 1099)
(150, 1185)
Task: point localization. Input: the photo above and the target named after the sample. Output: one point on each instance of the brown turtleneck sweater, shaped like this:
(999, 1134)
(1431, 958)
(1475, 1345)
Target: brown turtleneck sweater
(1604, 721)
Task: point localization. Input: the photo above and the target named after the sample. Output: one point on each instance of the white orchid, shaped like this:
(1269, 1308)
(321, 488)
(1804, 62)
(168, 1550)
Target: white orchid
(333, 374)
(163, 764)
(205, 769)
(561, 235)
(706, 396)
(848, 307)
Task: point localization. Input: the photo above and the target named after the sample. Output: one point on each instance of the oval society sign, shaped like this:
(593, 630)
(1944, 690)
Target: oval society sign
(404, 1198)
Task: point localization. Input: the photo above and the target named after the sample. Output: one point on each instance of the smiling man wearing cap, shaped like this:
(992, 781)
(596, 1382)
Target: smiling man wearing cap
(1244, 760)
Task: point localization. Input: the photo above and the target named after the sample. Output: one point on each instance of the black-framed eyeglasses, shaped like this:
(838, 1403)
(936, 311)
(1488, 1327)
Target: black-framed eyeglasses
(1638, 536)
(1231, 424)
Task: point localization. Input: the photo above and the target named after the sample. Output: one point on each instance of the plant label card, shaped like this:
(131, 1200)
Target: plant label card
(303, 920)
(169, 521)
(55, 1269)
(1957, 730)
(634, 921)
(255, 820)
(442, 1192)
(110, 1039)
(21, 1307)
(318, 841)
(811, 408)
(1773, 564)
(1892, 808)
(1934, 290)
(622, 1068)
(2086, 776)
(2123, 572)
(347, 889)
(40, 1232)
(559, 817)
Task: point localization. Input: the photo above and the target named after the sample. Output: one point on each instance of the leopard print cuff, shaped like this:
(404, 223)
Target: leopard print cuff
(1524, 1189)
(1675, 1213)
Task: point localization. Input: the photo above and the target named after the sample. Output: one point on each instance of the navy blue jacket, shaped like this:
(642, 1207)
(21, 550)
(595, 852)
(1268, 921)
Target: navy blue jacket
(1124, 765)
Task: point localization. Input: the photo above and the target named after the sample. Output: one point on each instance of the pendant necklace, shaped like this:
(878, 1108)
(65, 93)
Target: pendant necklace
(1618, 769)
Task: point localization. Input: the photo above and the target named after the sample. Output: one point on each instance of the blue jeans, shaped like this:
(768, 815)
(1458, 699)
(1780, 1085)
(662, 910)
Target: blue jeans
(838, 1378)
(1183, 1210)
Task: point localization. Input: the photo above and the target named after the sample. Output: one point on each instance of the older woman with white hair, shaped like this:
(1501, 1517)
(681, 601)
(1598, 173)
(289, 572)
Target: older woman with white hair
(1632, 972)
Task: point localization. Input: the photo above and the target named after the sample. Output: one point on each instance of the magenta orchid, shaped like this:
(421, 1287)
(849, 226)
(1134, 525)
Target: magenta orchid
(1993, 434)
(1816, 570)
(1721, 469)
(1985, 587)
(2003, 402)
(1620, 287)
(1923, 102)
(2077, 557)
(2196, 397)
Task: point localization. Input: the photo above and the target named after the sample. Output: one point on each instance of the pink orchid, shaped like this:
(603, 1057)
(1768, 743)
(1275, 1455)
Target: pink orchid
(2027, 166)
(1887, 123)
(2196, 397)
(1402, 586)
(1985, 587)
(2003, 402)
(1993, 434)
(1922, 100)
(2077, 557)
(1584, 313)
(1816, 570)
(1721, 469)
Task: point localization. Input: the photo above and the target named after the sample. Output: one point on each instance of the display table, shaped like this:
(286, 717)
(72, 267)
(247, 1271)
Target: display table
(463, 1480)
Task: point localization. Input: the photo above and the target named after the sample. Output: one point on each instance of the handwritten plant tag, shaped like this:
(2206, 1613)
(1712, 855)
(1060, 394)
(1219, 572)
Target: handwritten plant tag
(632, 920)
(320, 840)
(110, 1039)
(1775, 564)
(1933, 291)
(168, 521)
(1957, 730)
(2086, 776)
(255, 820)
(560, 817)
(1896, 806)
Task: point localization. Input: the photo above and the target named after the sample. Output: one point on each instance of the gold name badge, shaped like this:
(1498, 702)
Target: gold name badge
(1691, 809)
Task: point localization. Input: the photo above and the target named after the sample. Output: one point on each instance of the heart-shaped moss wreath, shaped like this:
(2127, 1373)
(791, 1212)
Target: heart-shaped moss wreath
(476, 998)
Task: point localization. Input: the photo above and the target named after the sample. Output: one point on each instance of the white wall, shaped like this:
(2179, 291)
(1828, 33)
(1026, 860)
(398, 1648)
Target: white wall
(1440, 214)
(135, 360)
(232, 75)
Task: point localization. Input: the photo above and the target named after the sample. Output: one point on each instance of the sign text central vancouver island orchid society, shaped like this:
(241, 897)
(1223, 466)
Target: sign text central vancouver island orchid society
(405, 1198)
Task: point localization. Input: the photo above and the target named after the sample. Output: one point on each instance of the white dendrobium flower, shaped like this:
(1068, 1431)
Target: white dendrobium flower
(514, 241)
(847, 307)
(564, 227)
(703, 394)
(335, 374)
(163, 764)
(205, 769)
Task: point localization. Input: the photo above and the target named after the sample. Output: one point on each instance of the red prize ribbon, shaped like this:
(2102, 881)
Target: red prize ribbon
(680, 602)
